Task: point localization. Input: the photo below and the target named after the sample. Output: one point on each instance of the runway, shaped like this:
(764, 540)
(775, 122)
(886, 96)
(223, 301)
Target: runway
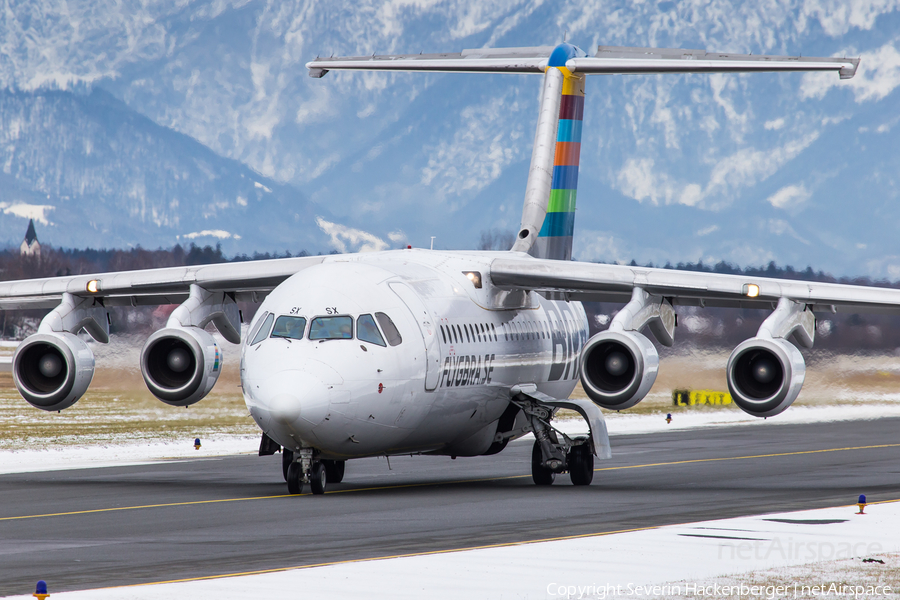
(183, 519)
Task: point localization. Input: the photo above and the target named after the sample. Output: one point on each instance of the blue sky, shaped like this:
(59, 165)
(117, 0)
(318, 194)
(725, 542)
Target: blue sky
(799, 169)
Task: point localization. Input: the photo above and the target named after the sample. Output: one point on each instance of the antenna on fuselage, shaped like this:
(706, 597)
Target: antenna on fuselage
(432, 242)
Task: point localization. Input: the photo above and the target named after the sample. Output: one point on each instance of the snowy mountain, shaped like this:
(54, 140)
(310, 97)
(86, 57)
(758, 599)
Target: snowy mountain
(92, 172)
(800, 169)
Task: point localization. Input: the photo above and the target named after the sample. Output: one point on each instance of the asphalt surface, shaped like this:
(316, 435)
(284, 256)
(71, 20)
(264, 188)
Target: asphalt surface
(230, 515)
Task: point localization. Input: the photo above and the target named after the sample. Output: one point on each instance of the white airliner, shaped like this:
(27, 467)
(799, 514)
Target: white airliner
(453, 353)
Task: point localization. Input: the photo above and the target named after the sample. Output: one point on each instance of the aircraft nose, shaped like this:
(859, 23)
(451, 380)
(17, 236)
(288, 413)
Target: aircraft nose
(295, 398)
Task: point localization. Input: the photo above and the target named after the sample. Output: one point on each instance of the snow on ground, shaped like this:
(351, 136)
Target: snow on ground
(617, 565)
(81, 457)
(117, 455)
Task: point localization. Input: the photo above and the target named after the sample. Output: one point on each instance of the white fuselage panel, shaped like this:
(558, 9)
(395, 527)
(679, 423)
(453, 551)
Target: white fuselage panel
(441, 389)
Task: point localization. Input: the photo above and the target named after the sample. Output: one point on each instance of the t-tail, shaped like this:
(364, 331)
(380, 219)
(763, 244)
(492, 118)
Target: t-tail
(548, 215)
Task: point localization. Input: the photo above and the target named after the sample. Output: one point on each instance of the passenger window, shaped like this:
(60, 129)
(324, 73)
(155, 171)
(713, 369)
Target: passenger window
(477, 332)
(444, 334)
(468, 334)
(263, 331)
(493, 332)
(390, 330)
(367, 330)
(289, 327)
(331, 328)
(483, 332)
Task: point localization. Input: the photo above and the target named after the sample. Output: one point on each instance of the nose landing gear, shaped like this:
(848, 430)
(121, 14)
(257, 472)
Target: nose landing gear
(301, 468)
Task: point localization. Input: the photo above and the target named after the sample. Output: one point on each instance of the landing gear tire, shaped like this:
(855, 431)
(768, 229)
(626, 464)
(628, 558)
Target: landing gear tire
(287, 457)
(295, 478)
(334, 470)
(541, 474)
(318, 478)
(581, 464)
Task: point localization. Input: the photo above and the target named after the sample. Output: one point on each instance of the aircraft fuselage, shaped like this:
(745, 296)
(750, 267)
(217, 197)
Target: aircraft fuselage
(442, 388)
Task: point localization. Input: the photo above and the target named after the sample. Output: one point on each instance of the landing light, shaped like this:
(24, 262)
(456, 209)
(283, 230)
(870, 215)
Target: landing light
(751, 290)
(93, 286)
(474, 277)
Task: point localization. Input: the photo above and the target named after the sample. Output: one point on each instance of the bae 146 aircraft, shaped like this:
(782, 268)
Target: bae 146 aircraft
(450, 353)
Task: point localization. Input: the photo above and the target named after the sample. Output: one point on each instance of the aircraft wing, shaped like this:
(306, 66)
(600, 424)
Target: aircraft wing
(615, 283)
(249, 281)
(608, 60)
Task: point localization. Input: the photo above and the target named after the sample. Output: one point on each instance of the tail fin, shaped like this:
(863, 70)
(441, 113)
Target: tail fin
(548, 217)
(555, 237)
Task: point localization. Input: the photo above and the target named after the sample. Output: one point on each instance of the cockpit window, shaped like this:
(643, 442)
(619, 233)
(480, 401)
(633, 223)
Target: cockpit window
(289, 327)
(390, 330)
(263, 330)
(367, 330)
(331, 328)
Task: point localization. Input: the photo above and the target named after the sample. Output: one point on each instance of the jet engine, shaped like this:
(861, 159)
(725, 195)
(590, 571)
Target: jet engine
(765, 375)
(181, 365)
(618, 368)
(53, 370)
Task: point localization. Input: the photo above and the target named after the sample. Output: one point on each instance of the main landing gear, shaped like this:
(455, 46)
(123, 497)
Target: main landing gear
(553, 451)
(579, 463)
(302, 468)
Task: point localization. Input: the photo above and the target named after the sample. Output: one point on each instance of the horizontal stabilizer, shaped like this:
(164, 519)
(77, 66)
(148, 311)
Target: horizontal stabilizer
(608, 60)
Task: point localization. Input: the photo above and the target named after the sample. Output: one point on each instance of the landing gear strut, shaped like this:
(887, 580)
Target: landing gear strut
(553, 451)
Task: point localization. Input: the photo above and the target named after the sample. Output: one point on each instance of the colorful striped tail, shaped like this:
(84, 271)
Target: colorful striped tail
(554, 236)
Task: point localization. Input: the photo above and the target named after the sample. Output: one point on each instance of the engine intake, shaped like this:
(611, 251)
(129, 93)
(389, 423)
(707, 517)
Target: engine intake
(53, 370)
(618, 368)
(765, 375)
(181, 365)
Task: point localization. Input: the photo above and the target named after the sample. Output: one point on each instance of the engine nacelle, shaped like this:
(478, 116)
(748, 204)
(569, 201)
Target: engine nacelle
(181, 365)
(53, 370)
(618, 368)
(765, 375)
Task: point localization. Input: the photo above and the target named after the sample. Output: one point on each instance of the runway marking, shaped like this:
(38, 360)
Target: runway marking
(438, 483)
(117, 508)
(699, 460)
(388, 557)
(415, 554)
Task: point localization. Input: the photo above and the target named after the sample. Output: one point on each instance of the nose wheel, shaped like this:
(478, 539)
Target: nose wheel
(287, 457)
(300, 468)
(294, 477)
(318, 478)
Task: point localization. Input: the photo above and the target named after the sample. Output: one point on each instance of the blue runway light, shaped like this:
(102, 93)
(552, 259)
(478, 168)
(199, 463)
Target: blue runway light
(197, 444)
(861, 503)
(669, 418)
(40, 590)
